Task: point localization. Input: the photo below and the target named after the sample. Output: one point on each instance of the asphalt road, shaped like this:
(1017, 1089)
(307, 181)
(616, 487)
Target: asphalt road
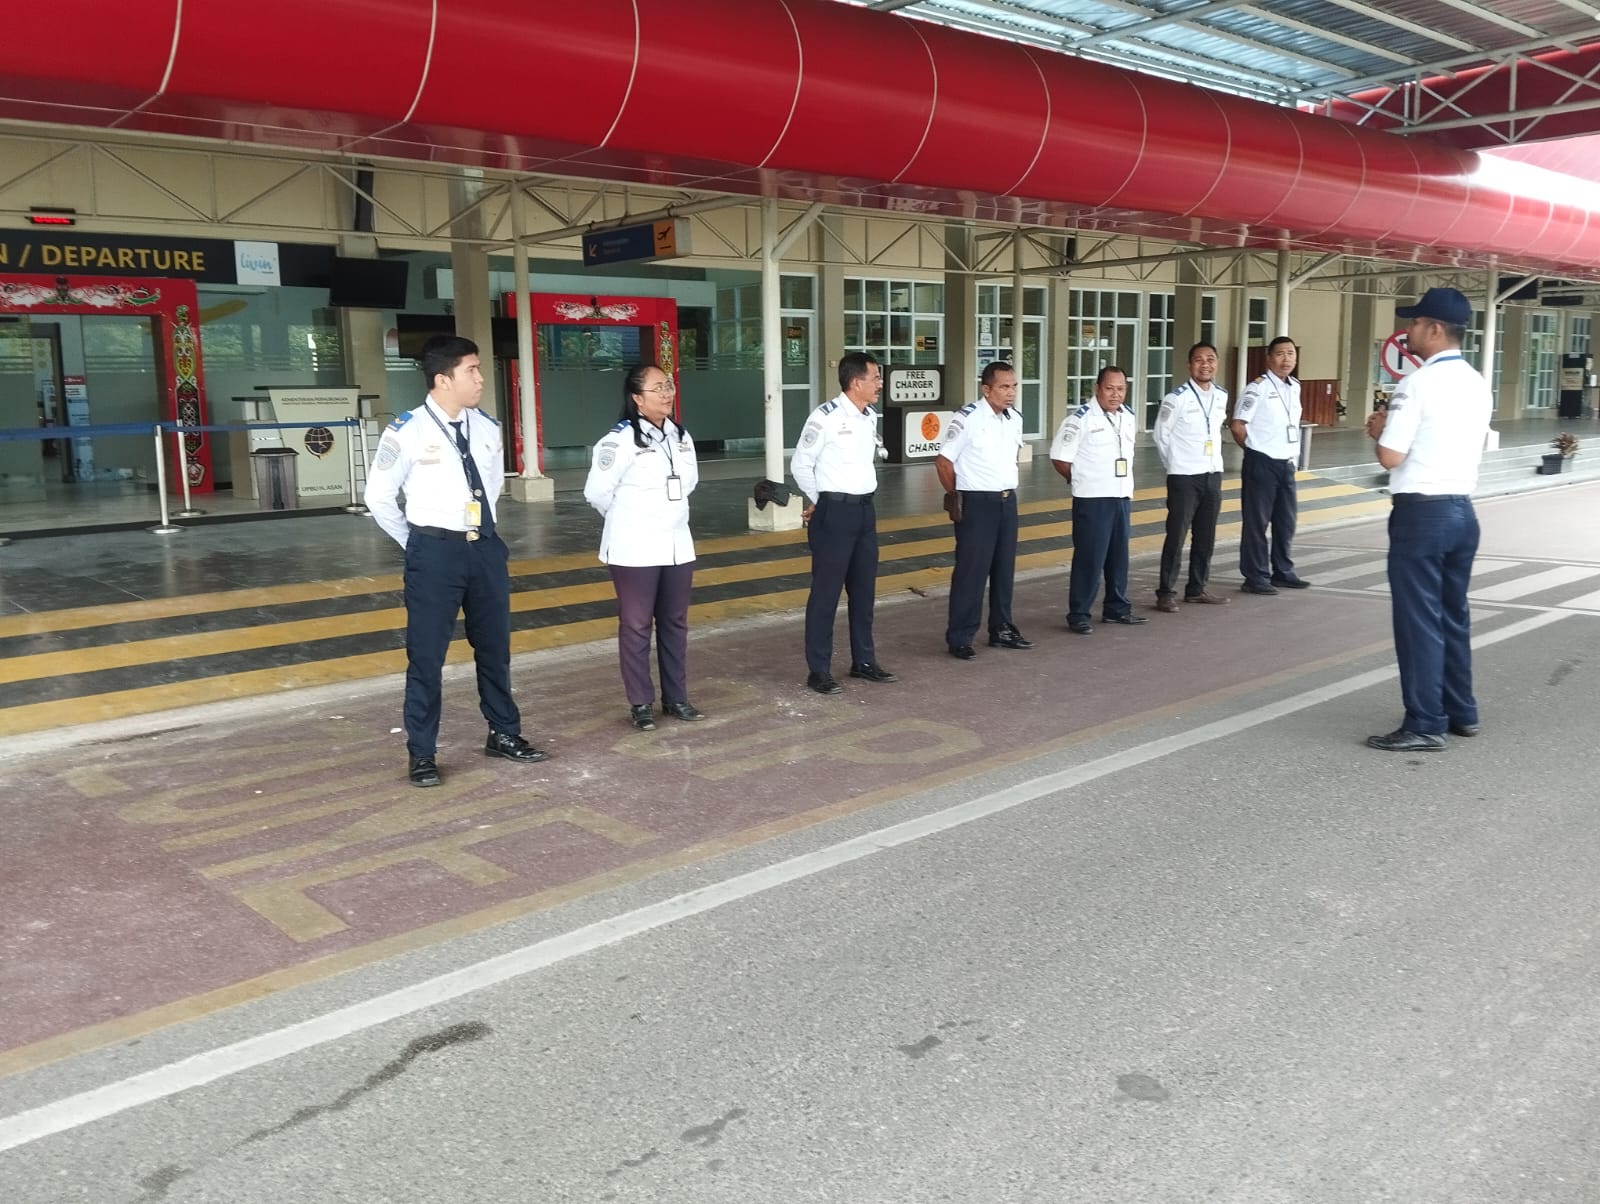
(1224, 953)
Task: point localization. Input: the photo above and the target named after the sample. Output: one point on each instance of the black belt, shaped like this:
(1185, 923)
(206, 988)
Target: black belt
(445, 533)
(850, 499)
(1404, 498)
(999, 493)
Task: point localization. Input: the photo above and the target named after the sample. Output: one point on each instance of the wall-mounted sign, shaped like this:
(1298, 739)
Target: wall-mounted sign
(256, 263)
(204, 260)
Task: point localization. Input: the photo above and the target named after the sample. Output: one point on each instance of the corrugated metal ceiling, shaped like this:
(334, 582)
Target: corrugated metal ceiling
(1292, 52)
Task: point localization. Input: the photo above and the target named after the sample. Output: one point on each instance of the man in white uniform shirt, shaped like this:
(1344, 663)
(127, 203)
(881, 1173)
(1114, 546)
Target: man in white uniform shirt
(835, 467)
(1266, 423)
(1431, 441)
(1094, 451)
(1188, 438)
(446, 457)
(977, 465)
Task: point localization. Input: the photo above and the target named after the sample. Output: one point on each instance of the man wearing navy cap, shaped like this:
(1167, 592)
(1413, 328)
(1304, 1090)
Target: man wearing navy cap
(1431, 440)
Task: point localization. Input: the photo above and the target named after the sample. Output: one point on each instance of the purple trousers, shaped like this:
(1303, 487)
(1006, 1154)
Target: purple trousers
(653, 595)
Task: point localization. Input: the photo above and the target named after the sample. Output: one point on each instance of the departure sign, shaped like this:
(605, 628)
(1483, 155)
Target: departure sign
(914, 386)
(627, 244)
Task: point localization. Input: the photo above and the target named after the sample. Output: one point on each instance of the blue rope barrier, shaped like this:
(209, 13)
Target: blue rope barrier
(25, 433)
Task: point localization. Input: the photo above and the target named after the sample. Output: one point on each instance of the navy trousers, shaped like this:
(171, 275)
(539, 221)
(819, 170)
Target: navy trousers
(1100, 528)
(1266, 495)
(844, 555)
(443, 578)
(1432, 540)
(653, 596)
(1193, 503)
(986, 555)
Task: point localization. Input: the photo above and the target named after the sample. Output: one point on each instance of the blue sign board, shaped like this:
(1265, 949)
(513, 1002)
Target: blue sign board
(658, 240)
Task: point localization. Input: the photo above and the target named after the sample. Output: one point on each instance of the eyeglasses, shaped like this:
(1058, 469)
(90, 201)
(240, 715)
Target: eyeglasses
(666, 388)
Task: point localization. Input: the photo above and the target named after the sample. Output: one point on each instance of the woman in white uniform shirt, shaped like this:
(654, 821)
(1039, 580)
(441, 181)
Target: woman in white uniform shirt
(641, 477)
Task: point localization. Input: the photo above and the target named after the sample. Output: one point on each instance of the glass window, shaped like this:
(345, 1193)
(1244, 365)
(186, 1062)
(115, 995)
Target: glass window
(995, 341)
(1158, 352)
(1103, 328)
(1256, 328)
(797, 292)
(1578, 337)
(885, 319)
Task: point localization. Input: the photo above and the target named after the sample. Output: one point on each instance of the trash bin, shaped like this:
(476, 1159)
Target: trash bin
(276, 478)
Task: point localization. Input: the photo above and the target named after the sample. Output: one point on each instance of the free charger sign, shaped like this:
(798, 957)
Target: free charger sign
(917, 397)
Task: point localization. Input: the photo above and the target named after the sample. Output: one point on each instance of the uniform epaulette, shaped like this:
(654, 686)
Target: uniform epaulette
(1081, 410)
(490, 417)
(970, 407)
(621, 426)
(400, 420)
(829, 406)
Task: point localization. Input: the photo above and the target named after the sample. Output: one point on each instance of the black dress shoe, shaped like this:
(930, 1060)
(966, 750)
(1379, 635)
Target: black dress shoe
(823, 683)
(872, 671)
(1291, 583)
(512, 748)
(1009, 637)
(964, 652)
(1126, 620)
(1401, 740)
(424, 772)
(1465, 729)
(682, 710)
(642, 717)
(1080, 626)
(1258, 587)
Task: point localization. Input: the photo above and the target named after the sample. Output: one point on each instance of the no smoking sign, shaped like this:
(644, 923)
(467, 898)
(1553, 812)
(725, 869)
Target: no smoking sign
(1396, 356)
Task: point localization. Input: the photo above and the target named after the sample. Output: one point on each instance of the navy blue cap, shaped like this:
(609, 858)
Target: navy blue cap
(1442, 305)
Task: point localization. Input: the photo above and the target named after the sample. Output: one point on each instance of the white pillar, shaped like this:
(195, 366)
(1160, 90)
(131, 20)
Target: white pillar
(1491, 323)
(772, 517)
(532, 485)
(1282, 325)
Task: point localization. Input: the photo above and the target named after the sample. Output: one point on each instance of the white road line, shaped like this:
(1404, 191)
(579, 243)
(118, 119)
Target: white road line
(1587, 602)
(1345, 572)
(78, 1110)
(1521, 587)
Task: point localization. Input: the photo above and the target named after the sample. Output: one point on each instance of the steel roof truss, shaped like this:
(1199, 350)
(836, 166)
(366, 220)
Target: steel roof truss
(1377, 14)
(1328, 35)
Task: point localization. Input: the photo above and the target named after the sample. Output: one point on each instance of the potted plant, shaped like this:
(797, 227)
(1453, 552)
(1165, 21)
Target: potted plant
(1566, 446)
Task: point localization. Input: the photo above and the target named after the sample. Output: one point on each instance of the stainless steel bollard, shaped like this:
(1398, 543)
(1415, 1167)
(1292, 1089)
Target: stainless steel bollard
(166, 527)
(356, 431)
(188, 510)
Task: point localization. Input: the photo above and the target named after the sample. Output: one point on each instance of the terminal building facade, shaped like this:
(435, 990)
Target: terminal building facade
(172, 253)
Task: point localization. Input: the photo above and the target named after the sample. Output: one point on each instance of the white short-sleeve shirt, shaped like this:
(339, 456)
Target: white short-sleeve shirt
(1093, 441)
(1438, 417)
(1270, 411)
(838, 450)
(1188, 430)
(982, 445)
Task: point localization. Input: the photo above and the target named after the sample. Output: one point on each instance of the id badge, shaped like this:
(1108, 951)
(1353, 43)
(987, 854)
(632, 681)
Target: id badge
(1294, 433)
(1122, 468)
(674, 488)
(474, 514)
(1211, 449)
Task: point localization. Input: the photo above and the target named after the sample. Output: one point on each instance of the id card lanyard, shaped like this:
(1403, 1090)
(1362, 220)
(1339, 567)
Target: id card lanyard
(474, 514)
(674, 481)
(1205, 411)
(1116, 429)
